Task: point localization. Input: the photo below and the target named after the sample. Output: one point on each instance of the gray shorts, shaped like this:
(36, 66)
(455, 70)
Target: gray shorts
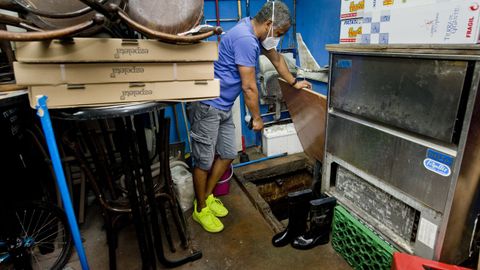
(212, 132)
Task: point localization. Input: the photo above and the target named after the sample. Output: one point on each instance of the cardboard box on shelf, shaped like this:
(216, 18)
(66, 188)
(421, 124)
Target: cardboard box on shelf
(455, 22)
(48, 74)
(66, 96)
(113, 50)
(351, 9)
(351, 30)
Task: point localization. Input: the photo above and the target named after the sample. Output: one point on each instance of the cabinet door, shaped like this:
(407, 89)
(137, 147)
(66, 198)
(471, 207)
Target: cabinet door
(393, 160)
(422, 96)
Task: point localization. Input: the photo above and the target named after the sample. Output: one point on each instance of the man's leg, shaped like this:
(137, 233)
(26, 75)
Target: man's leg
(226, 149)
(200, 184)
(204, 132)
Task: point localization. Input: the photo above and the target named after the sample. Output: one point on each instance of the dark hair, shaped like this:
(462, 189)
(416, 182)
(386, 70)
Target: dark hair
(282, 14)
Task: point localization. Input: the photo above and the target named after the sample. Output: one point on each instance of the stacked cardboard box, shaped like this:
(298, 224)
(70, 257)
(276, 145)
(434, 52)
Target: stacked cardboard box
(422, 22)
(351, 16)
(382, 5)
(91, 71)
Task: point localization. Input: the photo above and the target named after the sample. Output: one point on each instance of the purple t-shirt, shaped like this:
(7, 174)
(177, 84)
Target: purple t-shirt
(239, 46)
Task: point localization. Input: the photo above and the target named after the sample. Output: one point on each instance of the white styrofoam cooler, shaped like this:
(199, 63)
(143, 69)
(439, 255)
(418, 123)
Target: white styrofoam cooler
(279, 139)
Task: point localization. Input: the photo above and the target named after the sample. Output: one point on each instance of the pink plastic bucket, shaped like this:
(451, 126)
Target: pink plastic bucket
(223, 185)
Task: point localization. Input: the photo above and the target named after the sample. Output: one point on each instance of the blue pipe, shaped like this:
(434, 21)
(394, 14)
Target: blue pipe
(42, 112)
(258, 160)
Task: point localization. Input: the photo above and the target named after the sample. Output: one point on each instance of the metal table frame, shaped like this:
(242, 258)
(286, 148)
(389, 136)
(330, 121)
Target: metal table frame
(143, 198)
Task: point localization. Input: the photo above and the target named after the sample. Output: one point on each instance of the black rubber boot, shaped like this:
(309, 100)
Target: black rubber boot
(297, 217)
(321, 216)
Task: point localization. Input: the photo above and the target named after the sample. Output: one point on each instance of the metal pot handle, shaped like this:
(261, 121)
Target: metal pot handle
(161, 35)
(52, 34)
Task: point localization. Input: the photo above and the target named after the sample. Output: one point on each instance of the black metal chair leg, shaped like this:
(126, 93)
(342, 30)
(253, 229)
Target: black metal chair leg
(181, 224)
(139, 180)
(177, 218)
(164, 170)
(151, 198)
(177, 212)
(108, 221)
(132, 194)
(111, 241)
(166, 226)
(92, 141)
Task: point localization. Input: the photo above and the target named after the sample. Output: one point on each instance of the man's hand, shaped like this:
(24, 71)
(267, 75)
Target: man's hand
(257, 124)
(302, 84)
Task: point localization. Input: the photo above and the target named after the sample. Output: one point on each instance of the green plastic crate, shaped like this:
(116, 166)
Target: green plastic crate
(357, 244)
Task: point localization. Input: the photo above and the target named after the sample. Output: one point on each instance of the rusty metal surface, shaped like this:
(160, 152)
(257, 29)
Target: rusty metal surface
(395, 214)
(272, 167)
(166, 16)
(278, 188)
(308, 110)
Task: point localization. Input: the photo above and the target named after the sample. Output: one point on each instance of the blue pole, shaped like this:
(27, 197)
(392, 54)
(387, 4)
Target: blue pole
(42, 112)
(258, 160)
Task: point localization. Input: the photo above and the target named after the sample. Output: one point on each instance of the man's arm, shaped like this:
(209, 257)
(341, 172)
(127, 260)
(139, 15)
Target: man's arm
(250, 92)
(282, 69)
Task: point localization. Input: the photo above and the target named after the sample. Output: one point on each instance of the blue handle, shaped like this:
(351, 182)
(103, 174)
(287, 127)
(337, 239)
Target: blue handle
(42, 112)
(258, 160)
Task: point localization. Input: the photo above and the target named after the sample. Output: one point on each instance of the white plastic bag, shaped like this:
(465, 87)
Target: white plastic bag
(183, 184)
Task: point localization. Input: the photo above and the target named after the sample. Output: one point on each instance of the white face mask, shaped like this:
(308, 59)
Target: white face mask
(271, 42)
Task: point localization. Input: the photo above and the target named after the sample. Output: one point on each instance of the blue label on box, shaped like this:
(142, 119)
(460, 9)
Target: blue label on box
(344, 63)
(375, 28)
(365, 39)
(385, 18)
(383, 38)
(440, 157)
(437, 167)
